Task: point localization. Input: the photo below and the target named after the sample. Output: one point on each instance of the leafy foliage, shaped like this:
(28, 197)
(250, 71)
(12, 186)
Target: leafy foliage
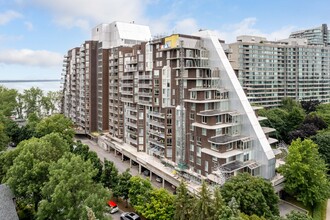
(109, 177)
(7, 100)
(160, 206)
(203, 208)
(322, 140)
(253, 194)
(29, 171)
(298, 216)
(310, 106)
(184, 203)
(139, 191)
(56, 123)
(70, 189)
(305, 173)
(123, 186)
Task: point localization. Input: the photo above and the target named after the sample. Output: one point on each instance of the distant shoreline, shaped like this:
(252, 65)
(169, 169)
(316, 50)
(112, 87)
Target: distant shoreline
(29, 80)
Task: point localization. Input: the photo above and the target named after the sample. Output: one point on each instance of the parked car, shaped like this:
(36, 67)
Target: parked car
(129, 216)
(159, 179)
(113, 207)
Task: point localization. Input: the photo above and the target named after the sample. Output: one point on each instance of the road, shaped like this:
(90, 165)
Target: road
(121, 166)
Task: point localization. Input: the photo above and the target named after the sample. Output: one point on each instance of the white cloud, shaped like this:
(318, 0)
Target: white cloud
(7, 16)
(28, 25)
(27, 57)
(186, 26)
(84, 13)
(246, 27)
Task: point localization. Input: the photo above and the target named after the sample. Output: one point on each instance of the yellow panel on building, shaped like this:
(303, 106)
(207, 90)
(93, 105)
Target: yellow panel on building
(172, 41)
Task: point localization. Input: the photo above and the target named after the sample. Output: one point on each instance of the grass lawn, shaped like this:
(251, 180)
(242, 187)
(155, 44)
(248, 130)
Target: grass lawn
(319, 212)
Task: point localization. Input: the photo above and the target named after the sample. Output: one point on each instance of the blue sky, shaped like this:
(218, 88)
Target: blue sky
(35, 34)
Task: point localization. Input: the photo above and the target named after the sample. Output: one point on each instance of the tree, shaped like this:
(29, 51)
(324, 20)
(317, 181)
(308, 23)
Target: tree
(70, 189)
(310, 106)
(4, 139)
(32, 100)
(139, 191)
(277, 118)
(184, 203)
(204, 203)
(11, 129)
(253, 194)
(317, 121)
(56, 123)
(123, 186)
(298, 216)
(160, 206)
(322, 140)
(7, 100)
(295, 118)
(109, 177)
(289, 104)
(304, 131)
(305, 173)
(323, 110)
(29, 171)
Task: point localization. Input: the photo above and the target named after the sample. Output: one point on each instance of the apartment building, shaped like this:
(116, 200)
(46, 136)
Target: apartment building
(86, 74)
(271, 70)
(211, 126)
(175, 99)
(315, 36)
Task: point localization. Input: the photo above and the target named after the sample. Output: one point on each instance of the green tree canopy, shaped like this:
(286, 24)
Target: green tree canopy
(139, 191)
(253, 194)
(56, 123)
(123, 186)
(277, 118)
(323, 110)
(203, 208)
(305, 173)
(322, 140)
(29, 171)
(32, 100)
(160, 206)
(70, 189)
(298, 216)
(184, 203)
(109, 177)
(7, 100)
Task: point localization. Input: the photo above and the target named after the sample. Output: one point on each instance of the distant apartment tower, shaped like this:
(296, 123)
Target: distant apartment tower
(315, 36)
(175, 98)
(271, 70)
(86, 74)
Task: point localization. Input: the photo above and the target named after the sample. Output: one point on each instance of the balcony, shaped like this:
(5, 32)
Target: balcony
(131, 77)
(130, 69)
(157, 142)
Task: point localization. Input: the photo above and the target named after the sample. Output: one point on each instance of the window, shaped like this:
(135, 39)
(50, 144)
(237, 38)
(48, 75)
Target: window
(229, 146)
(199, 140)
(199, 161)
(193, 106)
(199, 151)
(208, 95)
(193, 95)
(169, 131)
(191, 158)
(206, 166)
(169, 121)
(246, 157)
(214, 147)
(169, 141)
(192, 116)
(192, 148)
(204, 119)
(219, 119)
(204, 131)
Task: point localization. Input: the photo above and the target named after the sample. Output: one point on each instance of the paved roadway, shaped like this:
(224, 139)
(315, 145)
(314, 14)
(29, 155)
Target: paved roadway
(121, 165)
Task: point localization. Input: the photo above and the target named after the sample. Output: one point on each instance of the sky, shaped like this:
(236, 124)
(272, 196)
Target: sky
(35, 34)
